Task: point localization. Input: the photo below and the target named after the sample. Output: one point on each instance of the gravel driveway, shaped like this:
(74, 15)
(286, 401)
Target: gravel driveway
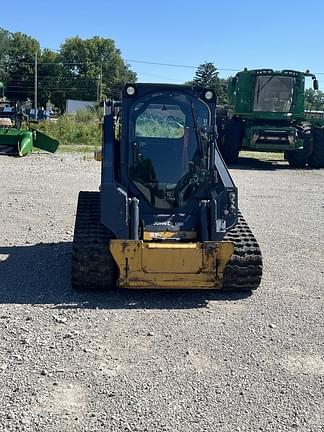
(159, 361)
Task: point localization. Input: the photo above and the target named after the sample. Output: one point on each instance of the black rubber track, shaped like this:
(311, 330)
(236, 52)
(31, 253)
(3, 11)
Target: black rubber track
(316, 159)
(244, 271)
(93, 267)
(299, 158)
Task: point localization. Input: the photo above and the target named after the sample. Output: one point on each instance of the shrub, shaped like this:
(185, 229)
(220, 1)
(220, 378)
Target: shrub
(82, 128)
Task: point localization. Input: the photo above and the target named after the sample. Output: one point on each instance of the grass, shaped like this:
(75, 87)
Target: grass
(267, 156)
(77, 148)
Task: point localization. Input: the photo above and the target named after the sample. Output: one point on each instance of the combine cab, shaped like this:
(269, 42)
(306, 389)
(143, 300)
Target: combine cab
(167, 212)
(267, 113)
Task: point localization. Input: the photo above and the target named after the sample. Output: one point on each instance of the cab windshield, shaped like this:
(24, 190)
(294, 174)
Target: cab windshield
(165, 148)
(273, 93)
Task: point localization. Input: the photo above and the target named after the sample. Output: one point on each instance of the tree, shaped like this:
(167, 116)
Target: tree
(4, 43)
(19, 65)
(82, 69)
(89, 69)
(49, 76)
(207, 76)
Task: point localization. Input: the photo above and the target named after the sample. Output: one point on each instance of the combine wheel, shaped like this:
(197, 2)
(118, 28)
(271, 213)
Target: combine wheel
(299, 158)
(244, 271)
(232, 141)
(93, 267)
(316, 159)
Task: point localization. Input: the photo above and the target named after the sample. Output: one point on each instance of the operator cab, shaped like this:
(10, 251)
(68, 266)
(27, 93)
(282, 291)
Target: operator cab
(165, 151)
(273, 93)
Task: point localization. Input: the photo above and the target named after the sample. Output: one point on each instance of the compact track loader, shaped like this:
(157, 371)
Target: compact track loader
(166, 215)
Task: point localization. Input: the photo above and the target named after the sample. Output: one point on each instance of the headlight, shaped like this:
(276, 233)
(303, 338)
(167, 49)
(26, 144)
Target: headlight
(209, 95)
(130, 90)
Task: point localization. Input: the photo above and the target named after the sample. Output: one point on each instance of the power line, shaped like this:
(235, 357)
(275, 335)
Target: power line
(161, 64)
(53, 89)
(58, 63)
(177, 65)
(48, 88)
(192, 66)
(127, 60)
(174, 65)
(51, 77)
(225, 69)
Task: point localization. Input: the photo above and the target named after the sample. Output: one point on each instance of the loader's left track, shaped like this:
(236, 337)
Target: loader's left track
(93, 267)
(244, 270)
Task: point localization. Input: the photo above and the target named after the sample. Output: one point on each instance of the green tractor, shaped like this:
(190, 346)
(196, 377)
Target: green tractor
(267, 113)
(17, 140)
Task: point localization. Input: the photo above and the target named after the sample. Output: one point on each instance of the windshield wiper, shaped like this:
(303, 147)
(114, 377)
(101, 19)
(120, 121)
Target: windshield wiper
(260, 88)
(266, 83)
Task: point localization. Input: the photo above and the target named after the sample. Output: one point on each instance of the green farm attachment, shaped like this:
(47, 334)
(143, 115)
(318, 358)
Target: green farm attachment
(15, 139)
(19, 142)
(44, 142)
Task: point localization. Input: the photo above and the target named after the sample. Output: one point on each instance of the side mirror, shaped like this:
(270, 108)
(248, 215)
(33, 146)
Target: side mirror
(315, 84)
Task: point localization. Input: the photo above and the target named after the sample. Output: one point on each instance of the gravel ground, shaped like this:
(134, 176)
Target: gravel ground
(159, 361)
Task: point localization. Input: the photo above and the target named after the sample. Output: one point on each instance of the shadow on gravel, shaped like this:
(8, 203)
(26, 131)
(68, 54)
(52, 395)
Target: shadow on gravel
(40, 274)
(247, 163)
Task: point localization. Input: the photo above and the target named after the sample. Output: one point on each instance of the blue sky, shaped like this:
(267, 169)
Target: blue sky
(231, 34)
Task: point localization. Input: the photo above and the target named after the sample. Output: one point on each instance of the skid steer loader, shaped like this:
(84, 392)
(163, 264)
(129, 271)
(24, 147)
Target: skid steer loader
(166, 215)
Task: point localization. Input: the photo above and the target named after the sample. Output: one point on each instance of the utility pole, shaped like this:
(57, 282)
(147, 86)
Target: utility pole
(2, 87)
(36, 85)
(100, 93)
(99, 85)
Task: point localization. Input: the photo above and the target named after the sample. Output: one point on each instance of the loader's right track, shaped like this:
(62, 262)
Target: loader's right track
(244, 271)
(93, 267)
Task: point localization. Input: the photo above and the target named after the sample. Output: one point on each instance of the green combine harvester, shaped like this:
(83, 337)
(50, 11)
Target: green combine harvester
(267, 113)
(18, 141)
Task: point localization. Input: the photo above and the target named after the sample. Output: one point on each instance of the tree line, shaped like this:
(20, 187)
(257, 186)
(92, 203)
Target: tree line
(86, 69)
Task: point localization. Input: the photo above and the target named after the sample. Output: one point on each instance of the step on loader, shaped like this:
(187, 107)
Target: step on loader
(166, 215)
